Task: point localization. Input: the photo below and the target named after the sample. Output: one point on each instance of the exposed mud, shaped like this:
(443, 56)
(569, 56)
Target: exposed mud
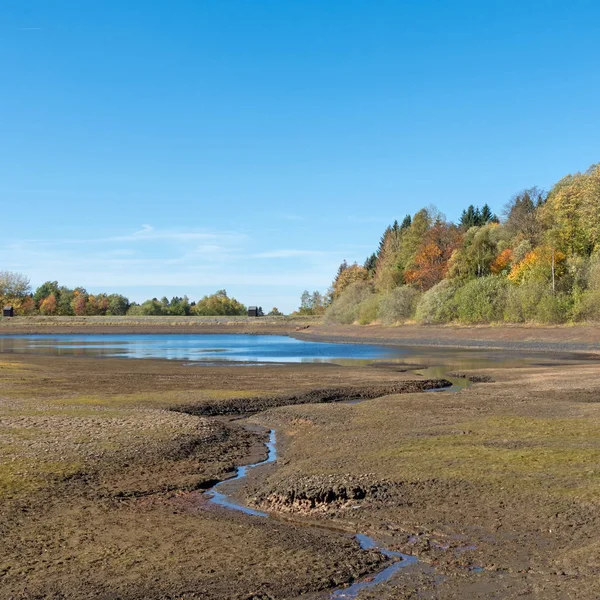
(495, 488)
(244, 406)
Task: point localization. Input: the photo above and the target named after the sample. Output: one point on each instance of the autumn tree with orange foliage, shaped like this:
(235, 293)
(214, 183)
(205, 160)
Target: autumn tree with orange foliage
(502, 262)
(48, 305)
(543, 263)
(431, 262)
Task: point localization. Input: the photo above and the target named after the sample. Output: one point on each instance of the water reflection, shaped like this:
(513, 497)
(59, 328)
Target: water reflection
(254, 349)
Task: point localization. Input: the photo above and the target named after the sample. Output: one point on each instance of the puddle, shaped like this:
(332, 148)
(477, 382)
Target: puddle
(458, 383)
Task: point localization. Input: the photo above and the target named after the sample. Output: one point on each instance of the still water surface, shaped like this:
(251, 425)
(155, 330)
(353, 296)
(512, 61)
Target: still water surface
(195, 347)
(257, 349)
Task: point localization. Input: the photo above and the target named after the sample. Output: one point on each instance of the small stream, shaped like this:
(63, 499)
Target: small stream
(224, 500)
(366, 543)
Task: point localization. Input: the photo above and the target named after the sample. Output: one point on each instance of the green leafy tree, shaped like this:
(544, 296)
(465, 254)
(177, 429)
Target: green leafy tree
(179, 306)
(476, 254)
(312, 304)
(47, 288)
(15, 291)
(65, 298)
(118, 305)
(219, 304)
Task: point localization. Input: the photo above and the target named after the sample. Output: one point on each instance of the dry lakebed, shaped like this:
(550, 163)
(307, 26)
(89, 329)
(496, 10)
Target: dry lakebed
(196, 468)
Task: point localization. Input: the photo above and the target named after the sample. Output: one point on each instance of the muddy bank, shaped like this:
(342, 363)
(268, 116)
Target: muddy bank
(243, 406)
(154, 325)
(502, 475)
(518, 338)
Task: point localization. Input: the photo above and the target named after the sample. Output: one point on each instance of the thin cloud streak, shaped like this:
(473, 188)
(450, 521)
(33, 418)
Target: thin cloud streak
(146, 234)
(288, 253)
(190, 260)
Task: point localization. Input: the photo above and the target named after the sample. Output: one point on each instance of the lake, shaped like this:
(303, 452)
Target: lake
(257, 349)
(195, 347)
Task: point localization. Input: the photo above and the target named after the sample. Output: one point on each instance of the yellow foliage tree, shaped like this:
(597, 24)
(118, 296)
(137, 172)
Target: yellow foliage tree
(347, 276)
(543, 263)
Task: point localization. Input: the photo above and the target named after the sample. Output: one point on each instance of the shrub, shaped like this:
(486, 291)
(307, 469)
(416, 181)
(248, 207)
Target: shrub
(345, 308)
(399, 305)
(554, 308)
(522, 301)
(588, 308)
(368, 309)
(594, 272)
(438, 305)
(482, 300)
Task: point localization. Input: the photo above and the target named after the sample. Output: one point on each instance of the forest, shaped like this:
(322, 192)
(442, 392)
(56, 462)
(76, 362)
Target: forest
(539, 262)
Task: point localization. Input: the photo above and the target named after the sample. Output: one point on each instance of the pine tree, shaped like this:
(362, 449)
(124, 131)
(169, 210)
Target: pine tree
(486, 215)
(371, 264)
(468, 217)
(382, 242)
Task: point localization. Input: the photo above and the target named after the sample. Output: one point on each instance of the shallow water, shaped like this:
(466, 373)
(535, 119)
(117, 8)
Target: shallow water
(202, 349)
(367, 543)
(222, 499)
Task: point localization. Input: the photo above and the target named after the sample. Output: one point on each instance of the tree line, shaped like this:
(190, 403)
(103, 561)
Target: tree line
(53, 299)
(539, 262)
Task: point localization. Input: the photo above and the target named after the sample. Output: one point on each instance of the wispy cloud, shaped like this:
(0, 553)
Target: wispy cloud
(192, 261)
(150, 233)
(287, 253)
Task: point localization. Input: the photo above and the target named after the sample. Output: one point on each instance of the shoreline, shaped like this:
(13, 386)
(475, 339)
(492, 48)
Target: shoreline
(519, 338)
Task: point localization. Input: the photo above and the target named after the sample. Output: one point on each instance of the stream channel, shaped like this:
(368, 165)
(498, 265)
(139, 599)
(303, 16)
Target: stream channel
(366, 543)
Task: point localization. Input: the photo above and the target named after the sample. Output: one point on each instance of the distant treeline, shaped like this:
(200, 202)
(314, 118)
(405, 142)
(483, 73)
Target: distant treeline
(54, 299)
(540, 262)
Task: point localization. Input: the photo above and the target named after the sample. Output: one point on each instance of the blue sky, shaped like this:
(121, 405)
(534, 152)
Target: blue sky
(162, 148)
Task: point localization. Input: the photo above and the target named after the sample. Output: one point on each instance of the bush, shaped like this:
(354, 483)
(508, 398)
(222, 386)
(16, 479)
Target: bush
(345, 308)
(368, 310)
(522, 301)
(482, 300)
(594, 273)
(554, 308)
(588, 308)
(399, 305)
(438, 305)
